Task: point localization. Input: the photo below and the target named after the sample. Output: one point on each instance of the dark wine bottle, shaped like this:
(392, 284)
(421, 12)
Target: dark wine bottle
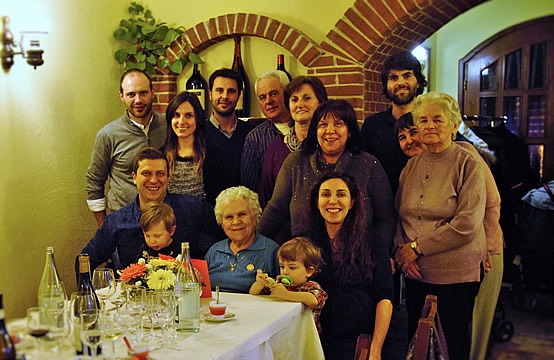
(281, 65)
(7, 349)
(85, 299)
(243, 105)
(196, 84)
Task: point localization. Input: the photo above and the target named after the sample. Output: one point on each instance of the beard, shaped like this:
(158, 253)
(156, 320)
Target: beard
(403, 99)
(224, 113)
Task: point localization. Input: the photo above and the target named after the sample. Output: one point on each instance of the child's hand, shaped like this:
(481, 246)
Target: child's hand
(279, 291)
(261, 278)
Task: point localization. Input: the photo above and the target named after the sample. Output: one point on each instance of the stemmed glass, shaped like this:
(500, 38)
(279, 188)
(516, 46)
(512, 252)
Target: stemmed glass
(37, 325)
(150, 307)
(91, 335)
(136, 305)
(120, 297)
(103, 281)
(112, 329)
(163, 313)
(59, 327)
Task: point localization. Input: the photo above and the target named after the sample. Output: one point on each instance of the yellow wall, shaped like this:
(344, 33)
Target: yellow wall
(49, 116)
(457, 38)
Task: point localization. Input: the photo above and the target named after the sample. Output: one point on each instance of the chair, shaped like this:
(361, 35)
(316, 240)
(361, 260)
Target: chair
(429, 341)
(362, 347)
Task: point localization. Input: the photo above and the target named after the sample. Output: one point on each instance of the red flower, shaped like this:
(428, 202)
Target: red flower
(167, 257)
(133, 271)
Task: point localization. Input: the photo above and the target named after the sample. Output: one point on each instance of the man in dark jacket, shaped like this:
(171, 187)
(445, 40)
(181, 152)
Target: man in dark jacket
(121, 230)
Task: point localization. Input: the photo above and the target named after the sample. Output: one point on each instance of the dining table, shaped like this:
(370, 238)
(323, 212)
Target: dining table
(262, 328)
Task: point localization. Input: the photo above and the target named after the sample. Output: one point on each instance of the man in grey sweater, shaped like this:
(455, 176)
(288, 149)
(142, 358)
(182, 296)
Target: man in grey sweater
(118, 143)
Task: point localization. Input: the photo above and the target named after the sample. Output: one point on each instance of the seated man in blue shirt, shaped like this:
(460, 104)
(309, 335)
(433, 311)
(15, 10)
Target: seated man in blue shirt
(121, 230)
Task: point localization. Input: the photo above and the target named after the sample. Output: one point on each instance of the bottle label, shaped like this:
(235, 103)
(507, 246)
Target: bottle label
(201, 93)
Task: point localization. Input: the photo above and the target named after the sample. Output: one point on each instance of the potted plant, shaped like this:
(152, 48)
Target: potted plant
(146, 43)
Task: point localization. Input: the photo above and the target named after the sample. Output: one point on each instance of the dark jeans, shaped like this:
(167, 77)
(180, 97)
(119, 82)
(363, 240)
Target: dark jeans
(455, 306)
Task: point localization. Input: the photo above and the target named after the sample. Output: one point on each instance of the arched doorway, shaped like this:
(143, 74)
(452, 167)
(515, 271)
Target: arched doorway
(510, 75)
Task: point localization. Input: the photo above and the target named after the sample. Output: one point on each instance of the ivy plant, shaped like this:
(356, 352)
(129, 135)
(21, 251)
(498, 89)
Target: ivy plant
(145, 42)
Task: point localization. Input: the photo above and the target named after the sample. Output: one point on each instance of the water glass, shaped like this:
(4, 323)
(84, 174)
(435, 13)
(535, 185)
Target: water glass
(112, 329)
(91, 335)
(37, 325)
(103, 281)
(136, 306)
(60, 327)
(120, 297)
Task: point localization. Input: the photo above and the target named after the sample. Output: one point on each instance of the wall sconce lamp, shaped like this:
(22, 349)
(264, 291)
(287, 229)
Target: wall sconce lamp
(33, 54)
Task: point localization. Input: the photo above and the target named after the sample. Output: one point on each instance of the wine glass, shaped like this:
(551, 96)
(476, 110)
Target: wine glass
(112, 329)
(59, 327)
(136, 305)
(163, 313)
(103, 281)
(80, 301)
(91, 335)
(150, 308)
(120, 297)
(37, 325)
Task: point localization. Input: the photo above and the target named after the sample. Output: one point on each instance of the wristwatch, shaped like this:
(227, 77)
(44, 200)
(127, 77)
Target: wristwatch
(413, 245)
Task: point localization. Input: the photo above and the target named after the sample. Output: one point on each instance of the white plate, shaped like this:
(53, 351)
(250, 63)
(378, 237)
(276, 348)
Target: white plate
(209, 317)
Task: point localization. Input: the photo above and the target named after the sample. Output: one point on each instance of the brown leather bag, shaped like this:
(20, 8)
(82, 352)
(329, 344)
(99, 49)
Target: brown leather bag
(428, 342)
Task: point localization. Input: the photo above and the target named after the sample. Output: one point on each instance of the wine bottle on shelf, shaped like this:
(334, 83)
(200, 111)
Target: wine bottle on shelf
(196, 84)
(50, 276)
(243, 105)
(85, 299)
(7, 349)
(281, 65)
(188, 291)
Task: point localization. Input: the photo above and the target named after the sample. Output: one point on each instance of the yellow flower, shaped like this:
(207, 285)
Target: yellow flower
(161, 279)
(162, 263)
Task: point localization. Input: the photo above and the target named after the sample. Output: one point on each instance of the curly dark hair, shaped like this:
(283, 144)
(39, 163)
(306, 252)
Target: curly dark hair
(402, 61)
(354, 260)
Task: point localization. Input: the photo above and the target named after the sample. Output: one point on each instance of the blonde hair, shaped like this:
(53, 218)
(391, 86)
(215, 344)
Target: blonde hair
(302, 249)
(155, 213)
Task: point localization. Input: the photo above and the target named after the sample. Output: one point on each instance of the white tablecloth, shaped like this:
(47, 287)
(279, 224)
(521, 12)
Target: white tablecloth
(263, 328)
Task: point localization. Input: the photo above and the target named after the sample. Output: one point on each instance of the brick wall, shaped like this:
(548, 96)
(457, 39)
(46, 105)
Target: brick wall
(349, 59)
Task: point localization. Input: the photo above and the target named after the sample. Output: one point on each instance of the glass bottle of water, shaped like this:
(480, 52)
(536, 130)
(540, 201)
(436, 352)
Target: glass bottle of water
(188, 292)
(50, 276)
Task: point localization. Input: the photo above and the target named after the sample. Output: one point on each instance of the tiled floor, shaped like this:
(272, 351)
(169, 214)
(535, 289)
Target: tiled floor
(533, 337)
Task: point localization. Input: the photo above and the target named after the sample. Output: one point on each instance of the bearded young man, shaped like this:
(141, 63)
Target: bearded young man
(402, 81)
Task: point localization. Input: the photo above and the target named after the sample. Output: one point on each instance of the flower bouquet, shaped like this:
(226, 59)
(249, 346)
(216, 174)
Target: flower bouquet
(157, 273)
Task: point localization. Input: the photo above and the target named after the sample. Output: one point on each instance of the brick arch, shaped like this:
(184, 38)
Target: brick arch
(348, 60)
(371, 30)
(207, 33)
